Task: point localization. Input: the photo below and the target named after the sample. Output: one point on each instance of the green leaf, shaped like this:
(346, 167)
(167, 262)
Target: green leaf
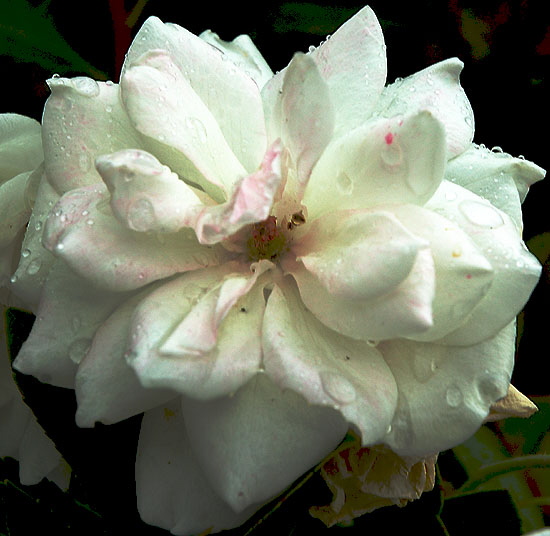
(28, 34)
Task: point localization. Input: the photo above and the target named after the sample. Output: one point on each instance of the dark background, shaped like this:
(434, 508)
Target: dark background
(504, 44)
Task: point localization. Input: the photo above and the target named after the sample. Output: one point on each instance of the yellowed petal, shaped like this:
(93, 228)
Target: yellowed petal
(514, 404)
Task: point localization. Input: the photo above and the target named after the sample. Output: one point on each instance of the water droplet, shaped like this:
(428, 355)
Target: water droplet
(497, 149)
(34, 267)
(344, 183)
(141, 215)
(402, 431)
(25, 252)
(38, 225)
(86, 86)
(481, 214)
(89, 221)
(197, 128)
(389, 429)
(392, 156)
(422, 368)
(108, 109)
(491, 387)
(453, 396)
(13, 278)
(337, 387)
(60, 246)
(78, 350)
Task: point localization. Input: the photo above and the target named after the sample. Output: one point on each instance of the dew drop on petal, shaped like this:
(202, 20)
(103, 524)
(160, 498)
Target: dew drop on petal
(491, 387)
(423, 369)
(481, 214)
(337, 387)
(141, 215)
(34, 267)
(401, 426)
(392, 156)
(197, 128)
(25, 253)
(453, 396)
(86, 86)
(78, 350)
(344, 183)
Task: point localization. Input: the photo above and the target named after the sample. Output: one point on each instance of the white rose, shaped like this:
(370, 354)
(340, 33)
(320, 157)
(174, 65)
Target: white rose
(259, 262)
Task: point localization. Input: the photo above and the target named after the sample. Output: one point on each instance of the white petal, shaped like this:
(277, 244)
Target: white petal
(496, 176)
(106, 388)
(230, 95)
(136, 179)
(161, 320)
(398, 160)
(172, 491)
(244, 54)
(445, 392)
(516, 271)
(325, 367)
(82, 120)
(14, 209)
(436, 88)
(256, 443)
(20, 145)
(163, 105)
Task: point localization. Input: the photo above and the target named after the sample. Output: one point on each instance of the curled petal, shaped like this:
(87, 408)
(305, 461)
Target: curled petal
(514, 404)
(450, 381)
(107, 389)
(398, 160)
(261, 430)
(243, 53)
(230, 95)
(515, 270)
(496, 176)
(145, 195)
(70, 312)
(82, 230)
(164, 106)
(326, 368)
(171, 487)
(436, 88)
(171, 347)
(82, 120)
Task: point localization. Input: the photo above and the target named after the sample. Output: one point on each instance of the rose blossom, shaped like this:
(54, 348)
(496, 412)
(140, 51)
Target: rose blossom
(260, 262)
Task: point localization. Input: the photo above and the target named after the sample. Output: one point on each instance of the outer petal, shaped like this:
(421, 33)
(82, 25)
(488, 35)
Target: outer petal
(307, 115)
(70, 312)
(14, 209)
(140, 185)
(496, 176)
(107, 389)
(359, 255)
(35, 261)
(325, 367)
(436, 88)
(244, 54)
(82, 230)
(169, 347)
(463, 275)
(20, 145)
(21, 436)
(172, 491)
(82, 120)
(253, 445)
(516, 271)
(399, 160)
(230, 94)
(445, 392)
(163, 105)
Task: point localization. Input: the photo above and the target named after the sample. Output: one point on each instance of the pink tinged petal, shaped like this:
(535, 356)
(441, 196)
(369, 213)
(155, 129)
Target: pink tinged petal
(172, 491)
(327, 368)
(359, 255)
(70, 312)
(230, 95)
(221, 354)
(82, 120)
(243, 53)
(35, 261)
(137, 180)
(398, 160)
(353, 63)
(445, 392)
(163, 105)
(307, 115)
(256, 443)
(107, 389)
(250, 202)
(20, 145)
(83, 231)
(516, 271)
(496, 176)
(436, 88)
(463, 275)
